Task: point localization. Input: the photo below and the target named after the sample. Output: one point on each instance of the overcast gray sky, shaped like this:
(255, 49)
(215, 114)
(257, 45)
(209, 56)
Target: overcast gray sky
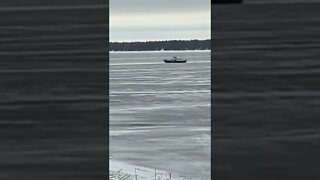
(142, 20)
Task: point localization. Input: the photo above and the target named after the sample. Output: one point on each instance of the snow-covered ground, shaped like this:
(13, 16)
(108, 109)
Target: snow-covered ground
(133, 172)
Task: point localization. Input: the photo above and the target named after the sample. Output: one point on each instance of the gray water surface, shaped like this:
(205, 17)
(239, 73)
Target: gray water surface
(160, 113)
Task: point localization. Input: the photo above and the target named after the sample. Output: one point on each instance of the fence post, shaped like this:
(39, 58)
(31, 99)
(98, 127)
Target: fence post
(135, 173)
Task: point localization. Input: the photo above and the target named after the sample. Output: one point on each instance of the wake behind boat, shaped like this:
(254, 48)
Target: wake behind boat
(175, 59)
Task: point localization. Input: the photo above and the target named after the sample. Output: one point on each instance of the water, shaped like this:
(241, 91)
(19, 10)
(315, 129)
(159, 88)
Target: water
(160, 113)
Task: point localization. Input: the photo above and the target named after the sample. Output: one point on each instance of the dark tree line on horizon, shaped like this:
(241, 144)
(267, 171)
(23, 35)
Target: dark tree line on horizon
(161, 45)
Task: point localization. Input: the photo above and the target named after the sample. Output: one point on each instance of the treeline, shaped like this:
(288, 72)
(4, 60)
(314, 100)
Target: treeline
(161, 45)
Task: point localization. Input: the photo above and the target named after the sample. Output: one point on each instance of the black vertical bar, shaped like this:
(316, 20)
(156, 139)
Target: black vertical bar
(53, 89)
(266, 91)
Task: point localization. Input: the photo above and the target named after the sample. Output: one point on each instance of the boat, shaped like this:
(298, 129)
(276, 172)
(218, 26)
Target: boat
(175, 59)
(226, 1)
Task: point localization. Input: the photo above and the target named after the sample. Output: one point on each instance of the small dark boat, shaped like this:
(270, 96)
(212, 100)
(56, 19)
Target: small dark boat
(175, 60)
(225, 1)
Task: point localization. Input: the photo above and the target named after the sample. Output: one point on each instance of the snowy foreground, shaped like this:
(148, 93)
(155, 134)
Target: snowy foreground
(124, 171)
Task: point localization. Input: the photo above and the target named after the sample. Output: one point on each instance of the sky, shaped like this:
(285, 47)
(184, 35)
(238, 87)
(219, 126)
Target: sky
(151, 20)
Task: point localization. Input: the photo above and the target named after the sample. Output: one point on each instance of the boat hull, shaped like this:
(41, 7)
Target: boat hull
(169, 61)
(226, 1)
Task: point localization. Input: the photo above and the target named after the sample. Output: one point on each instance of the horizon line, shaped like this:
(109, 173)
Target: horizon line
(139, 41)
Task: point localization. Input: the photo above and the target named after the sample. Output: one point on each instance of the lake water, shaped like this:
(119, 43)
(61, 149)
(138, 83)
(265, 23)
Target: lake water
(160, 113)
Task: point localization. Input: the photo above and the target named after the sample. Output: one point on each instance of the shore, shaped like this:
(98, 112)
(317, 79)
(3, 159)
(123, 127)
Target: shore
(205, 50)
(120, 170)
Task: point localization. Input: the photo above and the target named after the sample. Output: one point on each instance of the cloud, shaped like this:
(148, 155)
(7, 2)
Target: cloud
(166, 20)
(159, 20)
(172, 34)
(162, 6)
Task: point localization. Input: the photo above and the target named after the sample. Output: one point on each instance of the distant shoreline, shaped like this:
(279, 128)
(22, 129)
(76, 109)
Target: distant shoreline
(165, 51)
(171, 45)
(159, 40)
